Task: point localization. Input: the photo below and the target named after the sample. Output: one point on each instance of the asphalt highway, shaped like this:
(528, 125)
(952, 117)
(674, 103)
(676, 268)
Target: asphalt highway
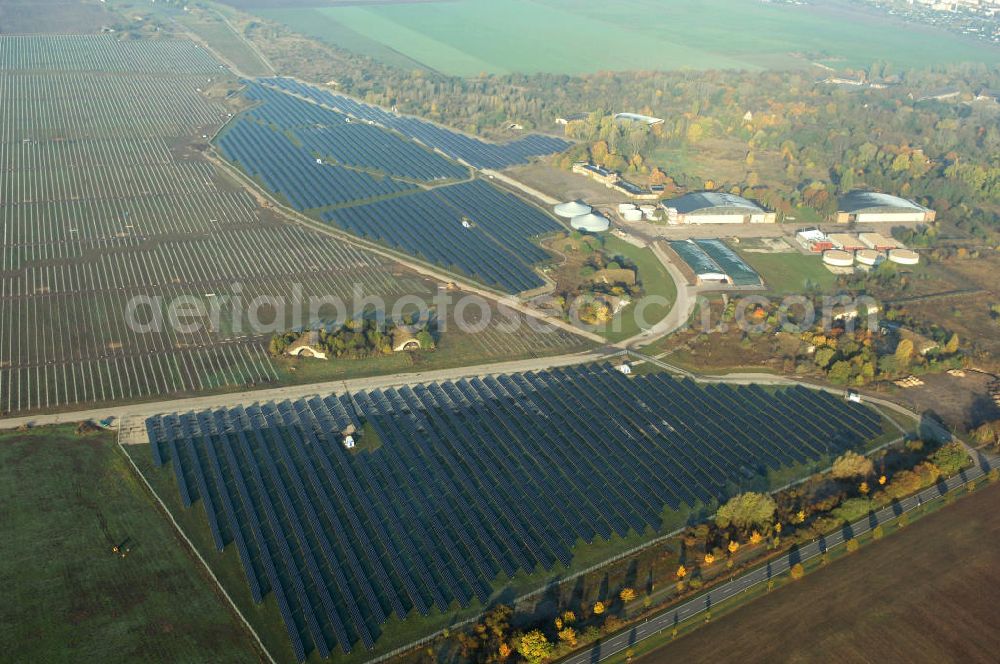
(667, 619)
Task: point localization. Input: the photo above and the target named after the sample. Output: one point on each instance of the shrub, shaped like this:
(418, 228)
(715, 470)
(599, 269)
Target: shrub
(950, 459)
(853, 509)
(797, 571)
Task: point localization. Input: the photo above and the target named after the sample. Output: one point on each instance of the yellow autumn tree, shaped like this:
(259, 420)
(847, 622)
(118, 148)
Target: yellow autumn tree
(952, 346)
(681, 572)
(534, 647)
(709, 559)
(904, 352)
(568, 635)
(797, 571)
(598, 608)
(627, 594)
(755, 537)
(504, 651)
(882, 480)
(569, 617)
(733, 546)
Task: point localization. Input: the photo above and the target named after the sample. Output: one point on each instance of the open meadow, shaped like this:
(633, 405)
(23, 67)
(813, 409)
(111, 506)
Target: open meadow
(582, 36)
(66, 499)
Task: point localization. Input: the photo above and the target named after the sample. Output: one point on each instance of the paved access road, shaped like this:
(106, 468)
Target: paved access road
(137, 412)
(668, 619)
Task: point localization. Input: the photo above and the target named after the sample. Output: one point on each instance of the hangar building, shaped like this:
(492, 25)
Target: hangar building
(872, 207)
(709, 207)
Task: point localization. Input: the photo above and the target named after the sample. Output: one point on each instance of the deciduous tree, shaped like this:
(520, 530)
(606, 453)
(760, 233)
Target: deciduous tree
(850, 465)
(534, 647)
(746, 511)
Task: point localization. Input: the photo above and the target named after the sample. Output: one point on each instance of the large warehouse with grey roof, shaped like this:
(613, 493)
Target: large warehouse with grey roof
(709, 207)
(872, 207)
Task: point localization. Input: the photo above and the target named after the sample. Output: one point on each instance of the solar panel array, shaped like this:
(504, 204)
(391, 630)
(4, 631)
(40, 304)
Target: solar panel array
(472, 151)
(495, 249)
(291, 171)
(366, 182)
(105, 53)
(335, 137)
(471, 481)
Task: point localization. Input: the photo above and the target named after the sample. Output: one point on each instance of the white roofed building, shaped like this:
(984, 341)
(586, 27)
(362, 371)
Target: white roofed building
(709, 207)
(873, 207)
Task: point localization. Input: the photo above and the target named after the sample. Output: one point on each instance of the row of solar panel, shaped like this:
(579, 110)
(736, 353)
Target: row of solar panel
(472, 481)
(471, 228)
(473, 151)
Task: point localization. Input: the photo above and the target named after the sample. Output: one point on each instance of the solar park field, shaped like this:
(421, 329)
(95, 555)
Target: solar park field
(371, 172)
(463, 492)
(105, 195)
(91, 219)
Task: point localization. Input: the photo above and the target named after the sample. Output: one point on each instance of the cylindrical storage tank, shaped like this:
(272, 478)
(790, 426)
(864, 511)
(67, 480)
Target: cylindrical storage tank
(592, 223)
(867, 256)
(572, 209)
(625, 207)
(632, 215)
(838, 258)
(904, 256)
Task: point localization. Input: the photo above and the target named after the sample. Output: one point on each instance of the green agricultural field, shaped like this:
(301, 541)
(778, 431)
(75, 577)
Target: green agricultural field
(790, 272)
(579, 36)
(66, 500)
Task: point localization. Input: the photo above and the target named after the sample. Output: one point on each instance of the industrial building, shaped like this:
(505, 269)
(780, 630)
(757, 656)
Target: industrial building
(595, 172)
(705, 269)
(712, 261)
(614, 180)
(878, 242)
(709, 207)
(871, 207)
(846, 242)
(813, 239)
(638, 117)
